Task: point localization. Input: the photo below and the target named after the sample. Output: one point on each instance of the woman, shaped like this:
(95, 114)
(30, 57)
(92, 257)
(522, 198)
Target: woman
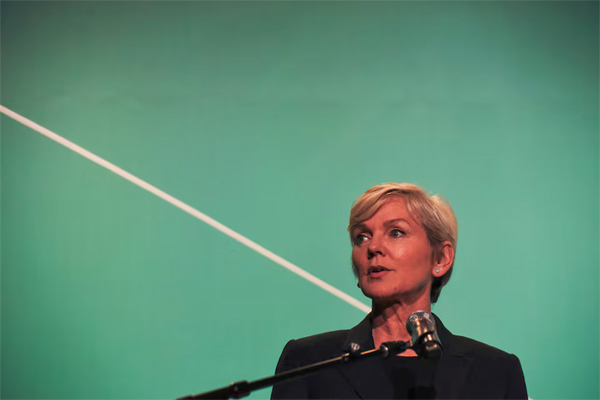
(403, 246)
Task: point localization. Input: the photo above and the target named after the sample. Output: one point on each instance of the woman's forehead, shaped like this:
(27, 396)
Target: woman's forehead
(394, 210)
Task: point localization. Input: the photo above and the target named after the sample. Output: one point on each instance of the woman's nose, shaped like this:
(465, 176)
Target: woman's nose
(375, 248)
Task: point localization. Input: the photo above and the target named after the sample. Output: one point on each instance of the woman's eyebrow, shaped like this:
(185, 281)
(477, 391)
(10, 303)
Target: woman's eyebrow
(395, 221)
(360, 227)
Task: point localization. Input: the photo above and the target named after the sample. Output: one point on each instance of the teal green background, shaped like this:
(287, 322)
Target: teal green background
(272, 117)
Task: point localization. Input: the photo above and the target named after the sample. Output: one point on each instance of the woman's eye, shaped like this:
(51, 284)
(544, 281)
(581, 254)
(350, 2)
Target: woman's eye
(360, 238)
(396, 233)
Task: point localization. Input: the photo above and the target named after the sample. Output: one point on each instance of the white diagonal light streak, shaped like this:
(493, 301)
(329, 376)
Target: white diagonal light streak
(187, 208)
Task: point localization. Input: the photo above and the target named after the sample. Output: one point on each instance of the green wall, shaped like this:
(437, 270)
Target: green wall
(272, 117)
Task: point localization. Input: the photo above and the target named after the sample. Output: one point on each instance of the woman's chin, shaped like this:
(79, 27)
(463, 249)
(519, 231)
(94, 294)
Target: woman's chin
(383, 294)
(379, 294)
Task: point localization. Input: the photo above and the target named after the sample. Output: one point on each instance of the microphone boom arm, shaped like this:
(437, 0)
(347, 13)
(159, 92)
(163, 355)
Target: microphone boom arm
(241, 389)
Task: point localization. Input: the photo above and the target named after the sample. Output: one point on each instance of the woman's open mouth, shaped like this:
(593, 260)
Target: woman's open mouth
(376, 272)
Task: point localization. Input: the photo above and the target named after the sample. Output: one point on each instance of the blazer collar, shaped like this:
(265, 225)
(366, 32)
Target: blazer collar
(370, 381)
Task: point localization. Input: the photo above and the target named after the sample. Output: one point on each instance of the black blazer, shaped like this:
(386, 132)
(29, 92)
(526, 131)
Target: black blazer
(467, 370)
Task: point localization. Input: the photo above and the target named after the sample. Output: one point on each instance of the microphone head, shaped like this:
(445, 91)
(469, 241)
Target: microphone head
(424, 339)
(430, 346)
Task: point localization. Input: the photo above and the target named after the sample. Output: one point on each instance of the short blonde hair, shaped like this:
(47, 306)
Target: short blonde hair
(432, 212)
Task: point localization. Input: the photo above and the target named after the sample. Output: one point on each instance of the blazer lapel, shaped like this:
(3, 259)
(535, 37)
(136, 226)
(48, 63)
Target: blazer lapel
(367, 377)
(453, 367)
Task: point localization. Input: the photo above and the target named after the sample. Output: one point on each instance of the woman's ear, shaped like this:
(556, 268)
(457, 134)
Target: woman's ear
(444, 259)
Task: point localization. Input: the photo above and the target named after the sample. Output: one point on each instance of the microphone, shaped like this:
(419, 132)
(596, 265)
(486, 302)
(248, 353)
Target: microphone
(424, 339)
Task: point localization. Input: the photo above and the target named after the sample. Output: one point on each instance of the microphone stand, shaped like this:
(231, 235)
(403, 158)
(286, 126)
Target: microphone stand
(241, 389)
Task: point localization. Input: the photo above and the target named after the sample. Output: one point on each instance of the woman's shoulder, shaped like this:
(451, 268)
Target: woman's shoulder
(311, 349)
(332, 341)
(491, 367)
(479, 350)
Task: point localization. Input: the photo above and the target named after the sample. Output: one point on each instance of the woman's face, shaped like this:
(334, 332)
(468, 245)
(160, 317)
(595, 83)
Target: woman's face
(392, 254)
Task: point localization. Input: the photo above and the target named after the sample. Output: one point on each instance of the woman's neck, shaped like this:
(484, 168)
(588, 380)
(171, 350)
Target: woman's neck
(389, 321)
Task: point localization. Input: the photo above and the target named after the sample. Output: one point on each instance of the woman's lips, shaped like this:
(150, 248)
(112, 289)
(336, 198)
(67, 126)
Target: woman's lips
(377, 272)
